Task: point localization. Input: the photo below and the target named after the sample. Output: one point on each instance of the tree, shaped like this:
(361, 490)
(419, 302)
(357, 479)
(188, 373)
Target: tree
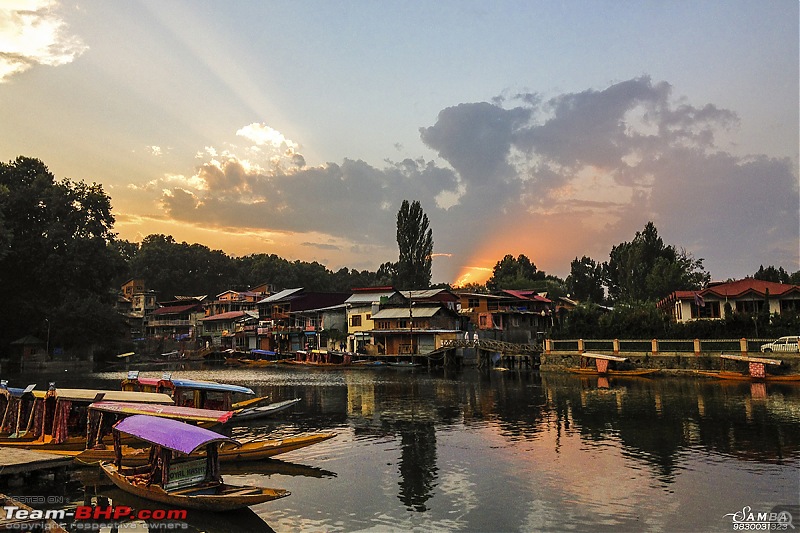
(57, 244)
(514, 273)
(646, 269)
(415, 241)
(585, 280)
(776, 275)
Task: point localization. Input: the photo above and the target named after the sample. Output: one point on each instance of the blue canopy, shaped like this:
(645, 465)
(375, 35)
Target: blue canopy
(171, 434)
(210, 386)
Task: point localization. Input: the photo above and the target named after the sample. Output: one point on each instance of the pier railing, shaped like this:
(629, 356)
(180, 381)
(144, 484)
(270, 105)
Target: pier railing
(654, 346)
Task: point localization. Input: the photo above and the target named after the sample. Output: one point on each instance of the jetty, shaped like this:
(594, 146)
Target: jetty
(16, 464)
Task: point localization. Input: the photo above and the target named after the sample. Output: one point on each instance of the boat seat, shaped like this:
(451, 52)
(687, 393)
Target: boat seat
(244, 491)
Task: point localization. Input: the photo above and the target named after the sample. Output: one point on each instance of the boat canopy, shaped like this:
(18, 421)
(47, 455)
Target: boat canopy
(189, 414)
(94, 395)
(210, 386)
(170, 434)
(606, 357)
(263, 352)
(747, 359)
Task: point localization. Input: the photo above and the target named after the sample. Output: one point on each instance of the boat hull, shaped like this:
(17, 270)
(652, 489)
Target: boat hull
(738, 376)
(253, 413)
(249, 451)
(218, 497)
(614, 373)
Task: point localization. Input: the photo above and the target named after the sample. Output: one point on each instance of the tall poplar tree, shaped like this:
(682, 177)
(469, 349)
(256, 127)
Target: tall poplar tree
(415, 241)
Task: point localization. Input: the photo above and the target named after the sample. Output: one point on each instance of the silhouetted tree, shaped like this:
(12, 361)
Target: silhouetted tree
(415, 241)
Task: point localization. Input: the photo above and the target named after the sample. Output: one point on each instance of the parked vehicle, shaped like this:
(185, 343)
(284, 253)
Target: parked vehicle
(784, 344)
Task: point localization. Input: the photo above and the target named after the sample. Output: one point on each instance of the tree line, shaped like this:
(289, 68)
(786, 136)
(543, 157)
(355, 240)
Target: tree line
(61, 266)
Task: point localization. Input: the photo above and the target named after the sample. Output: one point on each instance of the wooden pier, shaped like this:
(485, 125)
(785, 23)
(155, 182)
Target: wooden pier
(16, 463)
(511, 355)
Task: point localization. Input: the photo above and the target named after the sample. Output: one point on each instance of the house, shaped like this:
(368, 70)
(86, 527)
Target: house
(361, 306)
(230, 330)
(290, 320)
(516, 316)
(416, 328)
(747, 296)
(233, 301)
(176, 319)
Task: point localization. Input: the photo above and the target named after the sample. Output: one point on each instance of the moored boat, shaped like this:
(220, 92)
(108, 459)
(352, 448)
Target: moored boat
(176, 477)
(194, 393)
(595, 364)
(756, 370)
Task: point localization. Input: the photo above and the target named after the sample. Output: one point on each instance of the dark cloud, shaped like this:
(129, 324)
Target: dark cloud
(608, 160)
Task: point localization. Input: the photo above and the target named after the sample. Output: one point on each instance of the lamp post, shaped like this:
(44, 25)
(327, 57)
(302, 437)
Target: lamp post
(411, 327)
(47, 344)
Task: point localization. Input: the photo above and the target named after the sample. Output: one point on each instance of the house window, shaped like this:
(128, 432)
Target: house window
(355, 321)
(492, 306)
(402, 324)
(789, 306)
(710, 310)
(750, 307)
(382, 324)
(515, 321)
(482, 321)
(473, 302)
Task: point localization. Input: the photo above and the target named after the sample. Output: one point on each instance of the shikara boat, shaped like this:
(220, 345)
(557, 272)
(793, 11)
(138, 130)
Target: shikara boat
(102, 416)
(176, 477)
(61, 424)
(194, 393)
(595, 364)
(756, 369)
(19, 409)
(261, 411)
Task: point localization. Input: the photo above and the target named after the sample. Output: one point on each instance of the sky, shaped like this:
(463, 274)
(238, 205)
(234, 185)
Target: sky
(553, 129)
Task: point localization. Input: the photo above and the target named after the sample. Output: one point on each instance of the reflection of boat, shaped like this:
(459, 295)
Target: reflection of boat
(403, 364)
(756, 370)
(609, 365)
(185, 481)
(268, 467)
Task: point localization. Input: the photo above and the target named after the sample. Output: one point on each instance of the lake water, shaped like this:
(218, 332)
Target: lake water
(505, 451)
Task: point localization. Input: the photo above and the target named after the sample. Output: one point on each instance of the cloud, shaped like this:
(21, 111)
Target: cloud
(553, 178)
(31, 34)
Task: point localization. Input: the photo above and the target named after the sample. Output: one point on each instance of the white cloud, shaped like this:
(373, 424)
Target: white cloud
(31, 34)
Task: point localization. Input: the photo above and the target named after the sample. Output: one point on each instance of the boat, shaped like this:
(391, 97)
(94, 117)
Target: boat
(609, 365)
(19, 408)
(403, 364)
(261, 411)
(194, 393)
(756, 370)
(102, 416)
(184, 481)
(62, 420)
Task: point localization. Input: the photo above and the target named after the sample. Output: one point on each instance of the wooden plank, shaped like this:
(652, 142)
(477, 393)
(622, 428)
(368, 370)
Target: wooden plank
(751, 359)
(17, 461)
(606, 357)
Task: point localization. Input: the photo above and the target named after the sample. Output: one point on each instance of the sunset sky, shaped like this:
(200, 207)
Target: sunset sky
(550, 129)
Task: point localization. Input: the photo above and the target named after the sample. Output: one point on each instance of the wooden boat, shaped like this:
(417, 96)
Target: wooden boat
(194, 393)
(756, 370)
(102, 416)
(609, 365)
(61, 424)
(183, 481)
(403, 364)
(253, 413)
(19, 408)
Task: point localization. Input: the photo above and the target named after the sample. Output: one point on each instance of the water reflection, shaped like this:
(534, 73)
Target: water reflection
(434, 450)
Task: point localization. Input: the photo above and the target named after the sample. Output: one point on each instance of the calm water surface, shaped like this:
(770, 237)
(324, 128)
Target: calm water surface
(505, 451)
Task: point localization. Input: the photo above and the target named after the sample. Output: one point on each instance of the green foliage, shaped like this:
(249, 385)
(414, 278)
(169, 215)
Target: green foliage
(585, 280)
(415, 242)
(776, 275)
(646, 269)
(514, 273)
(57, 249)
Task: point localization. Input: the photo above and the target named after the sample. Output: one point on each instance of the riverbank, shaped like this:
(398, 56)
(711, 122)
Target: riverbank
(674, 362)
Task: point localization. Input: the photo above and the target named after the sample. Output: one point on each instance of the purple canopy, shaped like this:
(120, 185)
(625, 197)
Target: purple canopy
(169, 433)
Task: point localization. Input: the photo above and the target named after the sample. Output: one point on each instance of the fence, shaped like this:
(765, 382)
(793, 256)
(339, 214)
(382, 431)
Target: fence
(654, 346)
